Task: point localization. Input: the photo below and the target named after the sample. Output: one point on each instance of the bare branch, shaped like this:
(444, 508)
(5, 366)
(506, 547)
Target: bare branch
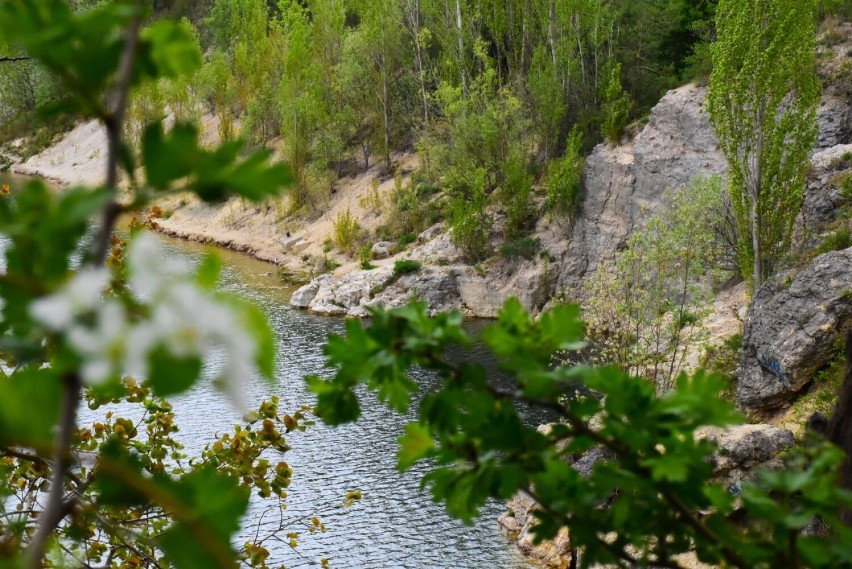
(55, 509)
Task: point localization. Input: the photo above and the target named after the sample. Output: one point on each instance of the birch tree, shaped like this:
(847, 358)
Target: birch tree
(762, 102)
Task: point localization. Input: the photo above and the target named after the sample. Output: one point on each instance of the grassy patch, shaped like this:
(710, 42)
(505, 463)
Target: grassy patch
(346, 231)
(405, 266)
(525, 248)
(835, 241)
(822, 394)
(365, 255)
(406, 239)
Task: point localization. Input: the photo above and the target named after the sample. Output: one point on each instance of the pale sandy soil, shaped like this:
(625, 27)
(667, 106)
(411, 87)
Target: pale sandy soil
(266, 231)
(79, 157)
(269, 233)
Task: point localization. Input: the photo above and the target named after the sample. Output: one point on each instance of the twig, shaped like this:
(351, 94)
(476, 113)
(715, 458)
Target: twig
(55, 508)
(113, 122)
(13, 58)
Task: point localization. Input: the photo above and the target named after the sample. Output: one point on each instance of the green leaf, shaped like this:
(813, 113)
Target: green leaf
(264, 338)
(667, 468)
(172, 48)
(169, 158)
(20, 394)
(336, 404)
(169, 374)
(415, 444)
(208, 272)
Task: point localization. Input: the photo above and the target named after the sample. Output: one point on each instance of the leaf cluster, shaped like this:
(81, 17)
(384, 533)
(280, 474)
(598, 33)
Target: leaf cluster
(650, 494)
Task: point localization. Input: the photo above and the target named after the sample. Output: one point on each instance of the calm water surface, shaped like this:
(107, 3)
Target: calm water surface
(395, 525)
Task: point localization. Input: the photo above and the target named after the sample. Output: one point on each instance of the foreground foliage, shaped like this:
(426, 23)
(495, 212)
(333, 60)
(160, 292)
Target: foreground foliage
(652, 495)
(84, 313)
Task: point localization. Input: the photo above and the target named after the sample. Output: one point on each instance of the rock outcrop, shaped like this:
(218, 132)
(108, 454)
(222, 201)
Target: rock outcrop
(834, 114)
(745, 448)
(823, 195)
(623, 184)
(518, 522)
(78, 158)
(791, 330)
(742, 450)
(442, 288)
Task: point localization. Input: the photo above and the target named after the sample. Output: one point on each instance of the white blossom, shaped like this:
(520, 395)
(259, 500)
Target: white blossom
(79, 296)
(150, 267)
(183, 318)
(102, 346)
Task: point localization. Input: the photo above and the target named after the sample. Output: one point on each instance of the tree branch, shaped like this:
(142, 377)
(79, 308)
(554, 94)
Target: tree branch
(12, 58)
(113, 122)
(55, 509)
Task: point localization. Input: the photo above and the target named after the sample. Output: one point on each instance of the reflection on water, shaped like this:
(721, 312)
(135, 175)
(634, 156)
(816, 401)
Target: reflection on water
(395, 524)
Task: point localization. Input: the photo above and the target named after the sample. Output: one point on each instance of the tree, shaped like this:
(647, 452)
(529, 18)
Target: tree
(81, 317)
(762, 102)
(645, 309)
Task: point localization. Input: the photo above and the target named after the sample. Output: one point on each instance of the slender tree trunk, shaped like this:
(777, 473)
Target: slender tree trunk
(460, 38)
(577, 32)
(418, 49)
(757, 264)
(755, 189)
(385, 101)
(551, 34)
(386, 116)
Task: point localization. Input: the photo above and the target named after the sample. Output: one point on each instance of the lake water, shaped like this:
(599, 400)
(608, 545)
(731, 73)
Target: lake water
(395, 525)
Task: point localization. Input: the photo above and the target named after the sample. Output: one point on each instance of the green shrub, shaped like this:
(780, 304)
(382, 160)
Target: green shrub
(563, 177)
(406, 239)
(426, 188)
(616, 106)
(524, 248)
(346, 231)
(846, 187)
(470, 225)
(405, 266)
(365, 255)
(515, 196)
(835, 241)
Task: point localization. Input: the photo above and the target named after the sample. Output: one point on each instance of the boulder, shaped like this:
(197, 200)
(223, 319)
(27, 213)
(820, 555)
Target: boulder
(484, 295)
(792, 329)
(380, 250)
(303, 297)
(823, 198)
(347, 295)
(518, 522)
(743, 449)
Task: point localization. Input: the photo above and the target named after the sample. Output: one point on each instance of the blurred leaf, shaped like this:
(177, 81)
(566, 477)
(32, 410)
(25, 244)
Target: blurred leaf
(171, 48)
(20, 394)
(415, 444)
(169, 374)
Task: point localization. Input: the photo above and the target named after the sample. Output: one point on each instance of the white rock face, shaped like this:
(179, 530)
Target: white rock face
(624, 184)
(302, 298)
